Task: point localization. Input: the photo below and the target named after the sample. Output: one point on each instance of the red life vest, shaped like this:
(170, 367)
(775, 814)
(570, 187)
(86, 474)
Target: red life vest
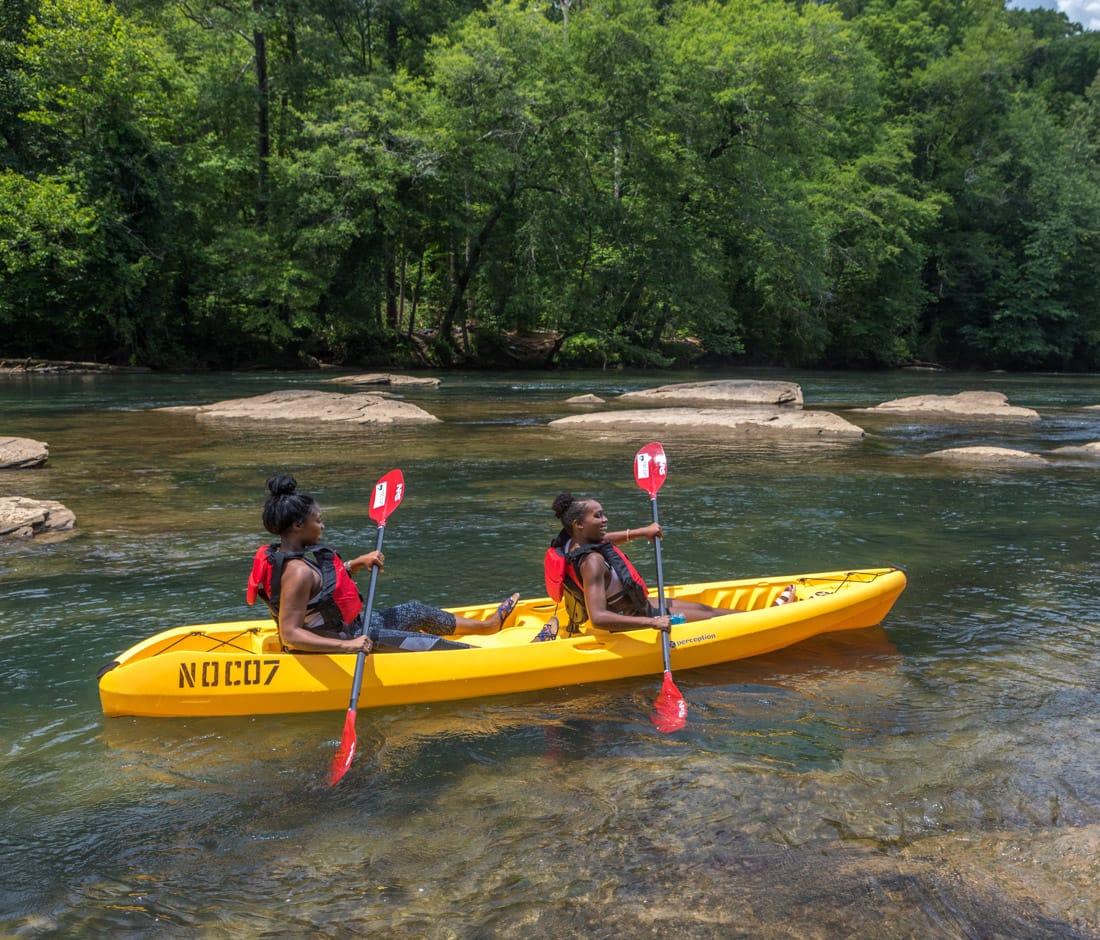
(338, 601)
(561, 573)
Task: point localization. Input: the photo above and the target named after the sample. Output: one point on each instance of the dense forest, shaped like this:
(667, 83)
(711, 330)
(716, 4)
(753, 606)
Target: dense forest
(854, 183)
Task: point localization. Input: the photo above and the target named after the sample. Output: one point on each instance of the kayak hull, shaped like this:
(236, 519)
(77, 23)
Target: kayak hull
(240, 668)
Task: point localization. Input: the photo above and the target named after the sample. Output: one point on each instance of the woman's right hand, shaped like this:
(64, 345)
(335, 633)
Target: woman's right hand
(664, 624)
(359, 644)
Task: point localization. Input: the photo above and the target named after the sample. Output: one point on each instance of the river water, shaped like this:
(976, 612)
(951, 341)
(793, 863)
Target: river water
(935, 776)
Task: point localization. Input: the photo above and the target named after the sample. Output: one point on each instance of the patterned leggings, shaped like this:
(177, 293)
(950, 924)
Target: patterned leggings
(411, 627)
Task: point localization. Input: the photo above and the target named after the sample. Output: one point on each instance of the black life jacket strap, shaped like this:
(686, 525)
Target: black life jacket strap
(324, 561)
(632, 599)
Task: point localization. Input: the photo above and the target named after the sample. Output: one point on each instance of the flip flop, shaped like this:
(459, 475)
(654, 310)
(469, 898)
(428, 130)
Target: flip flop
(504, 611)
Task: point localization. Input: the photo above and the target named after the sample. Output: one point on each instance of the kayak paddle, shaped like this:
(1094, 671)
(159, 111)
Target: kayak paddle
(670, 708)
(388, 493)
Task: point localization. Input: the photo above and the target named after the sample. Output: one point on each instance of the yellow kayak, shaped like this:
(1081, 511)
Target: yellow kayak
(240, 668)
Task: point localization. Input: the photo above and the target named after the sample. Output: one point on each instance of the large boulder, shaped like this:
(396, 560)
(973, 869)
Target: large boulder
(21, 517)
(312, 405)
(963, 405)
(388, 379)
(751, 422)
(720, 392)
(19, 453)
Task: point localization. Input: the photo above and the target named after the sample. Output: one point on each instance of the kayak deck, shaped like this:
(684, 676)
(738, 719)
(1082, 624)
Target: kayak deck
(240, 668)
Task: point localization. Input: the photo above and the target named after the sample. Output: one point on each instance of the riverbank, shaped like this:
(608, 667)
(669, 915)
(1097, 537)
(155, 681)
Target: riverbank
(53, 366)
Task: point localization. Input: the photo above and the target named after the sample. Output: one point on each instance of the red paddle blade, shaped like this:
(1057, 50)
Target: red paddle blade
(341, 763)
(650, 468)
(388, 493)
(670, 710)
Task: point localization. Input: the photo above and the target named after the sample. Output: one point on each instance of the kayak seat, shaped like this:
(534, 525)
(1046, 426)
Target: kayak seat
(723, 599)
(759, 597)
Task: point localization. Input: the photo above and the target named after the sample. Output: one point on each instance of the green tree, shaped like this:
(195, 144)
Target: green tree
(97, 97)
(958, 78)
(1044, 314)
(796, 169)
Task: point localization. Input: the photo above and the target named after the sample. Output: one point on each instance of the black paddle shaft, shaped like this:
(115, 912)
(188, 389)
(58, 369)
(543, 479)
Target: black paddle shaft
(660, 572)
(361, 658)
(660, 586)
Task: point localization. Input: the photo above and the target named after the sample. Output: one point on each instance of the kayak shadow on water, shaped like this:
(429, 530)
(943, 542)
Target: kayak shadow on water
(417, 741)
(837, 659)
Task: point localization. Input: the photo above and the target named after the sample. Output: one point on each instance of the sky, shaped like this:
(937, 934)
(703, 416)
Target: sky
(1085, 12)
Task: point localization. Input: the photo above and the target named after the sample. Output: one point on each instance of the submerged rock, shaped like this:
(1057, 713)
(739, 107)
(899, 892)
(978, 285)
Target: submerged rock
(585, 400)
(722, 391)
(312, 405)
(385, 378)
(1052, 869)
(1092, 449)
(964, 404)
(989, 455)
(19, 453)
(744, 421)
(22, 517)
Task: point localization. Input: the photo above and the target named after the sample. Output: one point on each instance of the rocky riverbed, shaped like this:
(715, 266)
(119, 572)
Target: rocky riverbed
(741, 408)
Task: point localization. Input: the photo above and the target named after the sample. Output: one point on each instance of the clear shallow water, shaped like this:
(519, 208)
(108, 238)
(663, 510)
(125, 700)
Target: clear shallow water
(935, 776)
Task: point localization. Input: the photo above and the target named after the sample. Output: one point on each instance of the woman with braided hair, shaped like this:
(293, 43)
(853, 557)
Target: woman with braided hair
(314, 600)
(600, 575)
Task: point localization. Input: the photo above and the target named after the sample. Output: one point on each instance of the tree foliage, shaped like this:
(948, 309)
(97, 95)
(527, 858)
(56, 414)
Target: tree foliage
(858, 183)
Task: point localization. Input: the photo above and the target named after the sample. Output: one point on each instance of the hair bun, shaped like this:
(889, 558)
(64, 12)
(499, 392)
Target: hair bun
(282, 484)
(561, 503)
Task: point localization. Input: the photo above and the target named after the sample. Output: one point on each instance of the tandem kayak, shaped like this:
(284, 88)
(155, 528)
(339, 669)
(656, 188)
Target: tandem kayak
(241, 668)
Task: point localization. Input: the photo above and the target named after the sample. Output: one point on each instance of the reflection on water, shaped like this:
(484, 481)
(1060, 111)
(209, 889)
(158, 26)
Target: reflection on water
(935, 776)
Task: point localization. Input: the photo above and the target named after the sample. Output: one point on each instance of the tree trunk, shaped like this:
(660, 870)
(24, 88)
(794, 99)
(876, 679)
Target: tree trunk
(282, 134)
(473, 259)
(401, 289)
(392, 42)
(416, 294)
(390, 279)
(263, 132)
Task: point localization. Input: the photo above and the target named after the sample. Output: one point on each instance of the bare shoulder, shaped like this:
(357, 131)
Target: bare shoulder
(297, 572)
(593, 562)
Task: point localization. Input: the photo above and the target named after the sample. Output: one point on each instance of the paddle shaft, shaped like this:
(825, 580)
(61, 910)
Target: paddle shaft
(660, 586)
(361, 657)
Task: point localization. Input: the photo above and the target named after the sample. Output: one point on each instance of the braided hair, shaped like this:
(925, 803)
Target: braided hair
(569, 508)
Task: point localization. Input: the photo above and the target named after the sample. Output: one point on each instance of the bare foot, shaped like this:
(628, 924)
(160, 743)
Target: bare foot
(786, 596)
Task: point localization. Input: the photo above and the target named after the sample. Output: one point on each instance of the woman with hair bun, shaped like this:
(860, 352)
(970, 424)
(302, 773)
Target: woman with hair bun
(599, 581)
(314, 600)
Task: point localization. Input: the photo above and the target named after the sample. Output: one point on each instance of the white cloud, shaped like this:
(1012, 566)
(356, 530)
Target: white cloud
(1085, 12)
